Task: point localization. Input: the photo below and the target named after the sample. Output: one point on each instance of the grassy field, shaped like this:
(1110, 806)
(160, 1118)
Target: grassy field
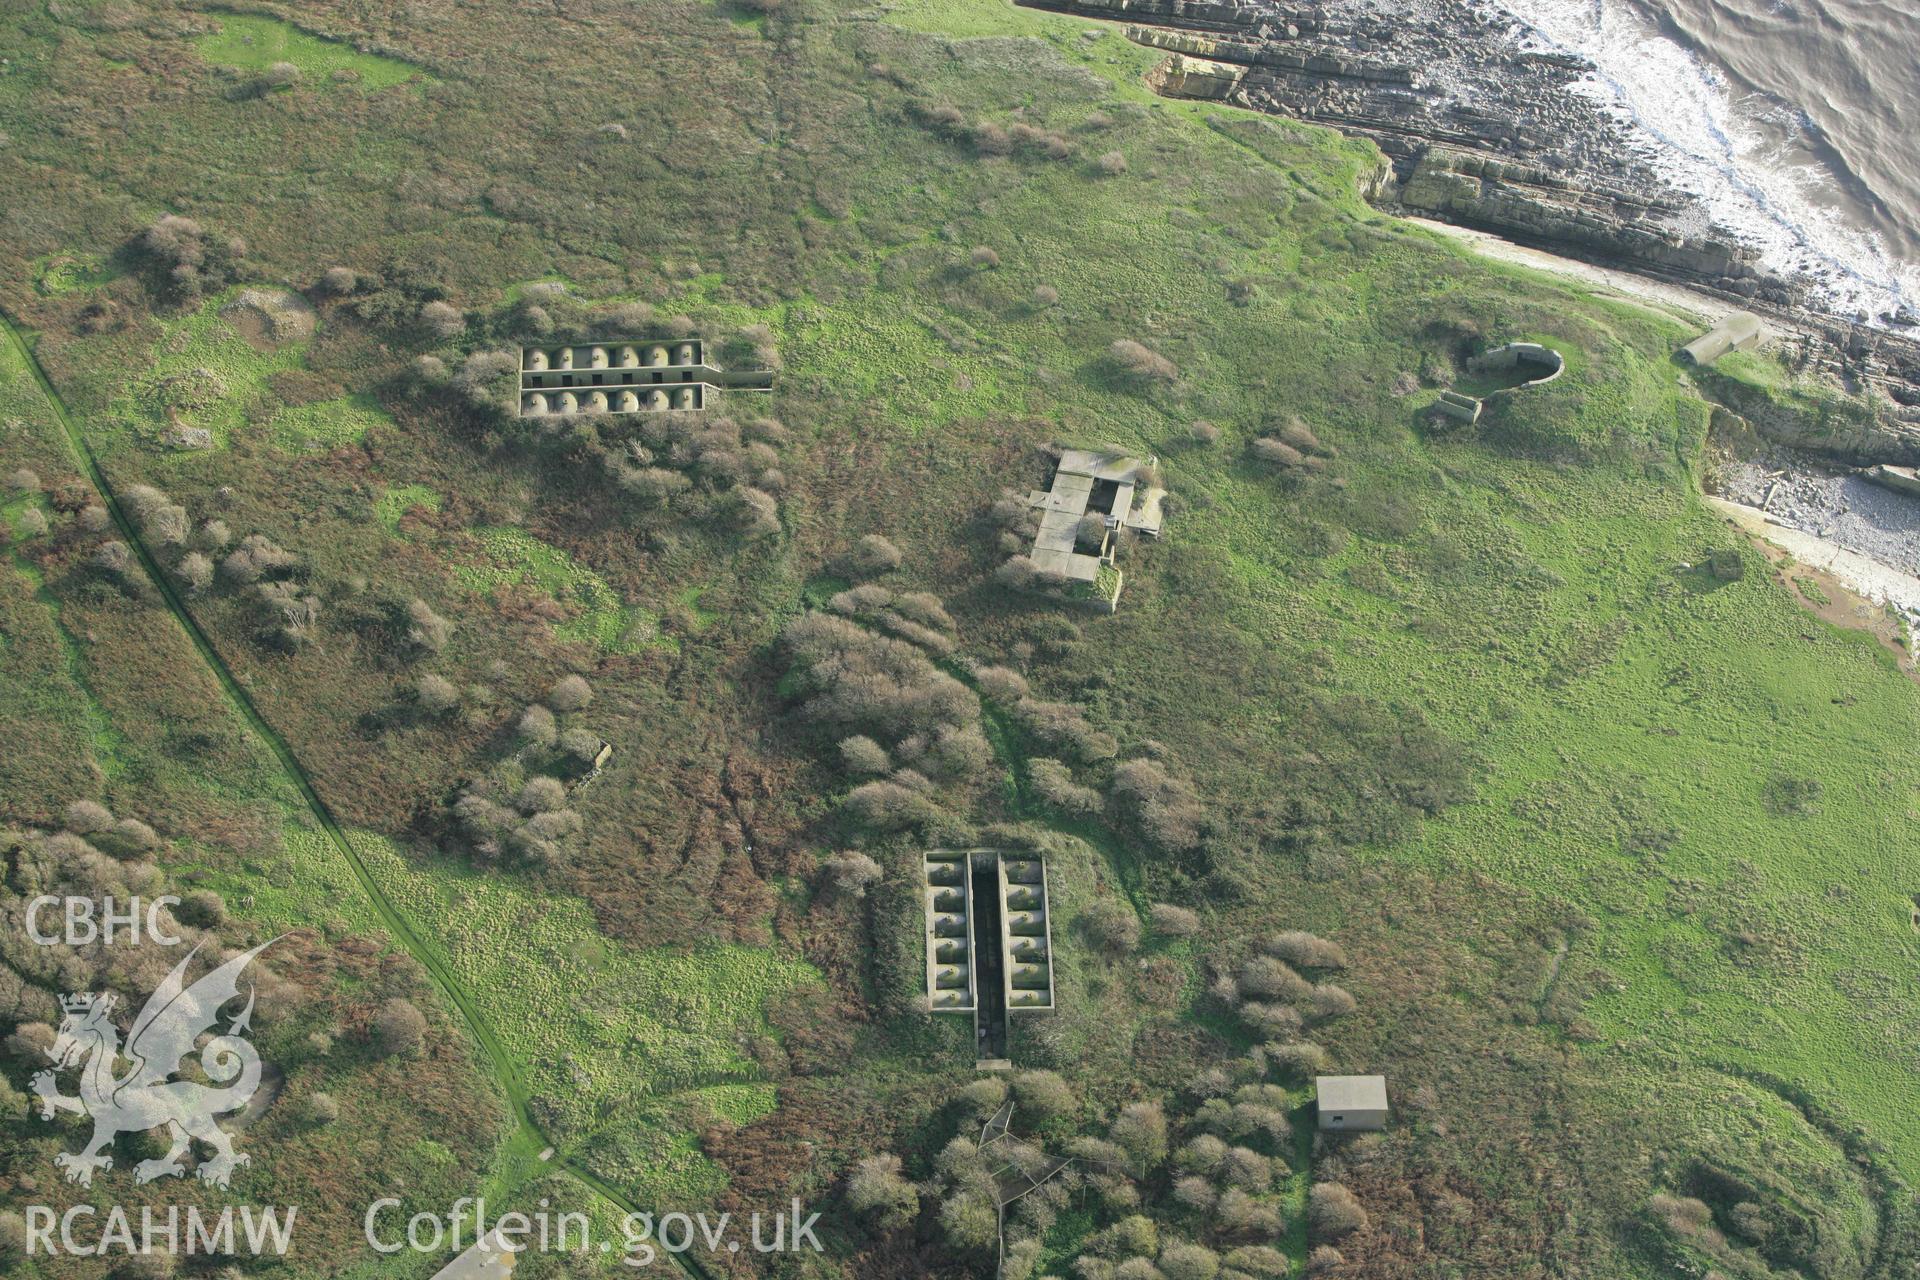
(86, 688)
(206, 375)
(1616, 847)
(326, 424)
(393, 504)
(599, 618)
(254, 43)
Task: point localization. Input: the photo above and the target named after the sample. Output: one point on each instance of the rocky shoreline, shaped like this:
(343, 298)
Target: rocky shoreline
(1840, 505)
(1479, 132)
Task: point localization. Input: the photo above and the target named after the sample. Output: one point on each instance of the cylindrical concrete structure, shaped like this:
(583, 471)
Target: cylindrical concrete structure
(1737, 332)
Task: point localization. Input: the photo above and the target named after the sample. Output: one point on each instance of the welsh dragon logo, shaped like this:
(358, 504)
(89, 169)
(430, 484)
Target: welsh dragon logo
(145, 1097)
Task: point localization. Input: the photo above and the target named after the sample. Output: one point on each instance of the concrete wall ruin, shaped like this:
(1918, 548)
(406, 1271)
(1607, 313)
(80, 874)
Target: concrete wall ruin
(618, 376)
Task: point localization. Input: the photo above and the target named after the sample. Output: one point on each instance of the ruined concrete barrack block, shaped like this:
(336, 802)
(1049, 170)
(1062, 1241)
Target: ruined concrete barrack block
(1110, 486)
(1026, 933)
(636, 375)
(956, 919)
(949, 903)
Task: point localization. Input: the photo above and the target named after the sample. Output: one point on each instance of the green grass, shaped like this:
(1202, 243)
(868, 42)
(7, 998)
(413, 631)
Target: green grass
(651, 1147)
(1810, 588)
(604, 1031)
(206, 373)
(43, 663)
(395, 502)
(689, 598)
(597, 1024)
(46, 668)
(1628, 720)
(600, 618)
(254, 43)
(739, 1103)
(652, 1150)
(326, 424)
(1629, 731)
(191, 777)
(64, 273)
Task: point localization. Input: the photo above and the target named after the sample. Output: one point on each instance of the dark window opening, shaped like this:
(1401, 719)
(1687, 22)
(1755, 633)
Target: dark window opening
(598, 378)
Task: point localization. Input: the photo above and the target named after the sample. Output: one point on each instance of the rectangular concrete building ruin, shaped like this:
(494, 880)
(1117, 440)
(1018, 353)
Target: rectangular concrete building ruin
(1539, 363)
(1351, 1102)
(637, 375)
(989, 940)
(1464, 408)
(1109, 486)
(488, 1259)
(1740, 331)
(949, 900)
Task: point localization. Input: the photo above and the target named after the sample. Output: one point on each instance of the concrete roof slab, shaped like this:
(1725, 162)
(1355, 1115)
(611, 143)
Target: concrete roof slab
(1351, 1093)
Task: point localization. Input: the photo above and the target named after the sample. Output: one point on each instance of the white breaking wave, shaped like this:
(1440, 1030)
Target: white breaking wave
(1737, 152)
